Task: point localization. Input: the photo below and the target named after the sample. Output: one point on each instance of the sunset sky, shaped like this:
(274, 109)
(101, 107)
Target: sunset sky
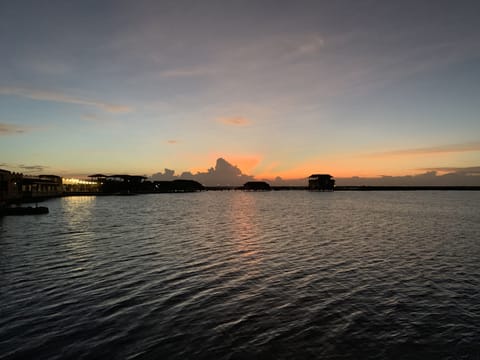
(277, 88)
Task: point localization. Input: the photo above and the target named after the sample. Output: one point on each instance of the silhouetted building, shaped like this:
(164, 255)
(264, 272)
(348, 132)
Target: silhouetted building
(41, 186)
(256, 186)
(179, 185)
(10, 186)
(321, 182)
(16, 187)
(123, 184)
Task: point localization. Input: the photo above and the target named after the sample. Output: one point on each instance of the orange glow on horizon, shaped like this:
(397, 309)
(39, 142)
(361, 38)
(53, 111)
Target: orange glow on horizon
(344, 168)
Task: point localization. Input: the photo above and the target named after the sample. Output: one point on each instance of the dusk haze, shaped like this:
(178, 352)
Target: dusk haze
(276, 88)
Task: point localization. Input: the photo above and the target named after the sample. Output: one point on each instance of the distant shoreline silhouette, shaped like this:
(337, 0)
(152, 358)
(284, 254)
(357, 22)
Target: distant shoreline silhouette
(17, 187)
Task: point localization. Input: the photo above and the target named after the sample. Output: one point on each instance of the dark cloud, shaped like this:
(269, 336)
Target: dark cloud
(32, 168)
(223, 173)
(168, 175)
(278, 181)
(459, 177)
(474, 171)
(10, 129)
(451, 148)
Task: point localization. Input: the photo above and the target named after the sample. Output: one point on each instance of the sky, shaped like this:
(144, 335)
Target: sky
(276, 89)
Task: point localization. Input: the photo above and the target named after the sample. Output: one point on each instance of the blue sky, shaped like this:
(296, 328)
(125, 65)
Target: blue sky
(278, 88)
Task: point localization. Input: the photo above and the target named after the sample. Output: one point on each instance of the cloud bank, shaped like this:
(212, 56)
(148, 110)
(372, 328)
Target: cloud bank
(32, 168)
(459, 177)
(442, 149)
(223, 173)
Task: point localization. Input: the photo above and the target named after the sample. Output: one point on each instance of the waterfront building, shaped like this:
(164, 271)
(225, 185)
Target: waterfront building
(10, 186)
(321, 182)
(41, 186)
(79, 186)
(256, 186)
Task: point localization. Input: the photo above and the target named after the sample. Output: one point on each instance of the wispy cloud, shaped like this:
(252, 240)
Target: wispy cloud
(172, 141)
(309, 45)
(11, 129)
(234, 121)
(90, 117)
(278, 47)
(442, 149)
(43, 95)
(475, 170)
(32, 168)
(187, 72)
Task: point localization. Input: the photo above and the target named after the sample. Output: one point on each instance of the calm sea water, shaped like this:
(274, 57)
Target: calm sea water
(235, 275)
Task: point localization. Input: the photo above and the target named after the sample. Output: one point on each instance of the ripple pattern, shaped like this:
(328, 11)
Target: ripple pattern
(234, 275)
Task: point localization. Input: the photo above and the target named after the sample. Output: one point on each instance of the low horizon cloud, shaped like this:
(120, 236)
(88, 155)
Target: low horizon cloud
(225, 173)
(474, 170)
(12, 129)
(32, 168)
(441, 149)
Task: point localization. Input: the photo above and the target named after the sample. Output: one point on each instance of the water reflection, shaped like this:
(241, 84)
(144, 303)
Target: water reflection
(243, 219)
(73, 203)
(243, 275)
(78, 235)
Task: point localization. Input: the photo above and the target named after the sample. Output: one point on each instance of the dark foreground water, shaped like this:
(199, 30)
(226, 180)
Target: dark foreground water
(234, 275)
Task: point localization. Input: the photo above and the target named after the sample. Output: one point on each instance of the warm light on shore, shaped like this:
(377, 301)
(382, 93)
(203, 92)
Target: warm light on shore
(73, 181)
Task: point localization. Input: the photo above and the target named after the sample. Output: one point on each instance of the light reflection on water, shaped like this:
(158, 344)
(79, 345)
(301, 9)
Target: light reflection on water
(244, 275)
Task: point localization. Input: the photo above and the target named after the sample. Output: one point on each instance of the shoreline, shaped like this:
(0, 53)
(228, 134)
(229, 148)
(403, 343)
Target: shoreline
(239, 188)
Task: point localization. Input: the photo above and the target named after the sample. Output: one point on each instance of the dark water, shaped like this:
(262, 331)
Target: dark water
(234, 275)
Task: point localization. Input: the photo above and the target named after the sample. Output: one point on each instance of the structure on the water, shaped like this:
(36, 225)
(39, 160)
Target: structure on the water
(16, 187)
(177, 185)
(256, 186)
(10, 186)
(321, 182)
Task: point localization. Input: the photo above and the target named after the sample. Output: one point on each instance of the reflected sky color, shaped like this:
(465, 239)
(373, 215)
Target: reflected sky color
(78, 213)
(245, 228)
(278, 88)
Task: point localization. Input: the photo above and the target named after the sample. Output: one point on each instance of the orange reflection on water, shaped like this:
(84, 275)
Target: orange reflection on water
(244, 223)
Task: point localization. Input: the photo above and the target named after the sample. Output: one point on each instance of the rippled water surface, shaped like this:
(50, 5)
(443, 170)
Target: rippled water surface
(235, 275)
